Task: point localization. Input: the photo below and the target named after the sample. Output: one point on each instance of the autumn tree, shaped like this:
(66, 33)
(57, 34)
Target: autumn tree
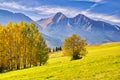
(21, 46)
(74, 46)
(42, 50)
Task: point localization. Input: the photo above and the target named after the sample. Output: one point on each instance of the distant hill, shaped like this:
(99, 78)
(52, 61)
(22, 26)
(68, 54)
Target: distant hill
(6, 16)
(60, 26)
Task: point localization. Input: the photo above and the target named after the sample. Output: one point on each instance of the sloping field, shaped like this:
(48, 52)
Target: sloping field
(101, 63)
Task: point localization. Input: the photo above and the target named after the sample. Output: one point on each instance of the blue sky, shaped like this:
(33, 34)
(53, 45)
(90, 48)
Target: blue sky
(107, 10)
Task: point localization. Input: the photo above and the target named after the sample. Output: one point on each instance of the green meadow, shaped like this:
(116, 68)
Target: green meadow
(101, 63)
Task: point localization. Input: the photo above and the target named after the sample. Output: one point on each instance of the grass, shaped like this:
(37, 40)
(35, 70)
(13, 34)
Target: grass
(101, 63)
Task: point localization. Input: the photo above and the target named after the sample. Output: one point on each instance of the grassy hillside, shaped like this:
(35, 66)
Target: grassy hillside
(101, 63)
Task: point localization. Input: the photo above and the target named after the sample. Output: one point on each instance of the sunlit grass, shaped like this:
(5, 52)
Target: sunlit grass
(101, 63)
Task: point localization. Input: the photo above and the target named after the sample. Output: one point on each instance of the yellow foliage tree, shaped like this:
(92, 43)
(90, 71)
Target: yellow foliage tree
(21, 46)
(74, 46)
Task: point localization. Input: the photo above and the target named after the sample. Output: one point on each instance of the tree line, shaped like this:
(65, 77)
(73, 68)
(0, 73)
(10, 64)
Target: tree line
(21, 46)
(56, 49)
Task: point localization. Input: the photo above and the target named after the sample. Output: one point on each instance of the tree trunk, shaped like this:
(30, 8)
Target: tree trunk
(30, 63)
(24, 63)
(18, 66)
(40, 63)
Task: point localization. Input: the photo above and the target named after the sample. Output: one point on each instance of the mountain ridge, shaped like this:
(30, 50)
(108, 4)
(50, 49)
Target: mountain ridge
(94, 31)
(6, 16)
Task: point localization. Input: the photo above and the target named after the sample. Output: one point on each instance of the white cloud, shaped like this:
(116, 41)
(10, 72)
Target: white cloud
(95, 0)
(91, 7)
(14, 5)
(50, 10)
(110, 18)
(89, 0)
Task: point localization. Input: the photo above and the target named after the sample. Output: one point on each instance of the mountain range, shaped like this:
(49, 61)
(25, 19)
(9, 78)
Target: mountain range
(60, 26)
(57, 27)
